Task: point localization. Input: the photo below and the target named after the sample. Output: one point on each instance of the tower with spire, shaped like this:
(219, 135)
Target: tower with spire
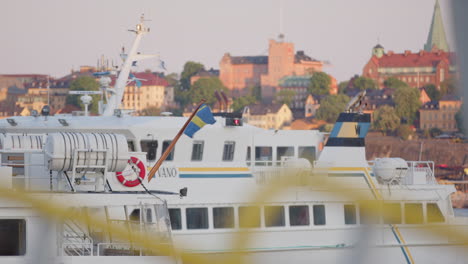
(436, 35)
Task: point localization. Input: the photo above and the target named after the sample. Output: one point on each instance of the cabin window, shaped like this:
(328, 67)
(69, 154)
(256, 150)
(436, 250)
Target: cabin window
(299, 215)
(12, 237)
(197, 218)
(392, 213)
(223, 217)
(249, 216)
(367, 214)
(307, 153)
(150, 147)
(284, 152)
(228, 151)
(263, 155)
(274, 216)
(131, 145)
(350, 214)
(176, 218)
(319, 214)
(414, 213)
(197, 150)
(248, 157)
(165, 145)
(434, 215)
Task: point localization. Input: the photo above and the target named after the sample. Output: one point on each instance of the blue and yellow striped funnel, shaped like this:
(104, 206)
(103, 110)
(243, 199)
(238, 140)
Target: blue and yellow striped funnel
(350, 130)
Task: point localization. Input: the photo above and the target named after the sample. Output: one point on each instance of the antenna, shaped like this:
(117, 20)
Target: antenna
(281, 34)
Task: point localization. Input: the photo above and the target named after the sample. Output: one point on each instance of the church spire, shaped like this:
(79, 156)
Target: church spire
(436, 33)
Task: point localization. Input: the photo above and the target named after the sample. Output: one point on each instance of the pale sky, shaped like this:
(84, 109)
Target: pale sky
(54, 36)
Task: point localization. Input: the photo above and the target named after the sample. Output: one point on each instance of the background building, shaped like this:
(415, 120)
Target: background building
(271, 116)
(240, 72)
(432, 65)
(148, 90)
(440, 114)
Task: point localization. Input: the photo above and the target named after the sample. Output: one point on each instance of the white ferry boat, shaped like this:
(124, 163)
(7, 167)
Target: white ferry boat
(225, 165)
(56, 222)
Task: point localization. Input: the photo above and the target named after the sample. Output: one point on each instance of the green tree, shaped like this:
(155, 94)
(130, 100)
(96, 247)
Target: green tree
(432, 92)
(320, 84)
(256, 91)
(331, 106)
(84, 83)
(172, 79)
(190, 69)
(394, 83)
(205, 88)
(435, 131)
(386, 119)
(181, 95)
(285, 97)
(405, 132)
(151, 111)
(407, 103)
(364, 83)
(342, 86)
(448, 86)
(239, 103)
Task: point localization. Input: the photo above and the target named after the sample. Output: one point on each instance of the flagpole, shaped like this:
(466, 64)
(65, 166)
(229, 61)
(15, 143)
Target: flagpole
(171, 146)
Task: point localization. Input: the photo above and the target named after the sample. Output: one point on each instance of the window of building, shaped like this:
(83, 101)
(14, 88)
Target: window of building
(319, 214)
(150, 147)
(197, 218)
(176, 218)
(414, 213)
(434, 215)
(197, 150)
(263, 154)
(299, 215)
(307, 153)
(223, 217)
(12, 237)
(284, 152)
(274, 216)
(350, 214)
(392, 213)
(249, 216)
(228, 150)
(165, 145)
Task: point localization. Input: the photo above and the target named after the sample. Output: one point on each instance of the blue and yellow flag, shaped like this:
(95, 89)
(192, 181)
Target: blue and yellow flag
(201, 118)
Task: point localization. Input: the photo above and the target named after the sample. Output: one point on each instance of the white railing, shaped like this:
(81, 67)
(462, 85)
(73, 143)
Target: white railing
(77, 249)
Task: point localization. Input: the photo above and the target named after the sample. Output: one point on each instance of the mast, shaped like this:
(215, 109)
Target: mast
(119, 88)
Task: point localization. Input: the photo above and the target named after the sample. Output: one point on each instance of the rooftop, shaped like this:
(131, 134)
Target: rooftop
(420, 59)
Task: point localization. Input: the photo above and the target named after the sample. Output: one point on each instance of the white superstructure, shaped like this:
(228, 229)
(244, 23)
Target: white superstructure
(317, 214)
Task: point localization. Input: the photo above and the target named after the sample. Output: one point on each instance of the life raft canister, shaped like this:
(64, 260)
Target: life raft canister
(135, 165)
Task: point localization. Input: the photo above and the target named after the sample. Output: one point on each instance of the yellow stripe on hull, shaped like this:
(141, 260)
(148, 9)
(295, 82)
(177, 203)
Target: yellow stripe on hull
(214, 169)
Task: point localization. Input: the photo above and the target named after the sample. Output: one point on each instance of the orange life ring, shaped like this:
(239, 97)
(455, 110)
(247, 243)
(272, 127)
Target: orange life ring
(141, 174)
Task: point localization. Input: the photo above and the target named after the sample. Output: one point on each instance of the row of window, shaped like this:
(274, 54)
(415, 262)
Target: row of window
(299, 215)
(263, 154)
(248, 217)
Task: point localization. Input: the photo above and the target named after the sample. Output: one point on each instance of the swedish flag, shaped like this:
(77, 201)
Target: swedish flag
(201, 118)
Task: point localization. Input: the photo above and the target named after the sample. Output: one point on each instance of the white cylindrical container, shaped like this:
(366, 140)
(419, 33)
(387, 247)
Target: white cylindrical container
(21, 142)
(86, 150)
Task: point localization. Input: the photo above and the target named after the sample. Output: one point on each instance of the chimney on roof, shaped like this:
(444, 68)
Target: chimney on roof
(422, 52)
(390, 52)
(407, 52)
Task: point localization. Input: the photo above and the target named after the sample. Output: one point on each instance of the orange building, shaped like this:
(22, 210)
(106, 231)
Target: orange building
(432, 65)
(238, 73)
(416, 69)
